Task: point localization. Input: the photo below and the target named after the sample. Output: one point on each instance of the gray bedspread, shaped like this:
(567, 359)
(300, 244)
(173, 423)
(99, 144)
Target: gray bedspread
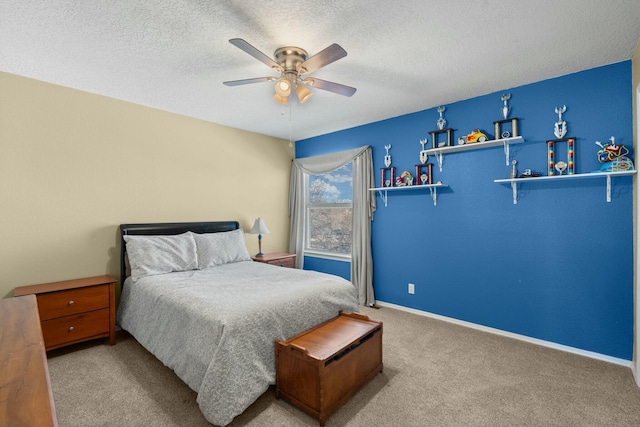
(216, 328)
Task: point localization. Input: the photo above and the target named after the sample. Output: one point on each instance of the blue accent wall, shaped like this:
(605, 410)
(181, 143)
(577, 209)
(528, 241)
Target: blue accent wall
(339, 268)
(556, 266)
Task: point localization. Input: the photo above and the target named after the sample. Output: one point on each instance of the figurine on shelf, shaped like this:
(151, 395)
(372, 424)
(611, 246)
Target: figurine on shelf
(405, 179)
(613, 157)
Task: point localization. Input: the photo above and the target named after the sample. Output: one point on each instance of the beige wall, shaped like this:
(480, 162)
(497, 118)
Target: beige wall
(73, 166)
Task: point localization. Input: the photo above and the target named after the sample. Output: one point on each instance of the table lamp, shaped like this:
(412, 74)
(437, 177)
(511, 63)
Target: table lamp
(259, 228)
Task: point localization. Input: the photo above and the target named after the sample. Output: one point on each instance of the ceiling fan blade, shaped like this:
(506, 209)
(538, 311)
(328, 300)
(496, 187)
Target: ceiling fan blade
(330, 86)
(249, 81)
(325, 57)
(240, 43)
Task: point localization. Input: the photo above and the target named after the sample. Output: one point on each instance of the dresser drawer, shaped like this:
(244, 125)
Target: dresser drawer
(78, 327)
(284, 262)
(72, 301)
(25, 389)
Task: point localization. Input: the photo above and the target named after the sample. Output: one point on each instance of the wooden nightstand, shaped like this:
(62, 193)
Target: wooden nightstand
(73, 311)
(281, 259)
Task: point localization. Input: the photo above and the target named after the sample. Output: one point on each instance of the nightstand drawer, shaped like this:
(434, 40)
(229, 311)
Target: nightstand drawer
(72, 301)
(75, 310)
(69, 329)
(279, 259)
(284, 262)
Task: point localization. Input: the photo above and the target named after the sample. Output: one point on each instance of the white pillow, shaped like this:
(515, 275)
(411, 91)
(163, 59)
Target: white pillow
(221, 248)
(150, 255)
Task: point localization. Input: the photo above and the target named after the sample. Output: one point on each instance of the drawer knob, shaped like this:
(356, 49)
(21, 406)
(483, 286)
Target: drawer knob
(71, 328)
(71, 302)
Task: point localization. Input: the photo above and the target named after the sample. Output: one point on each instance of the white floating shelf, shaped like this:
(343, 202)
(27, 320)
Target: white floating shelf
(505, 142)
(515, 181)
(433, 189)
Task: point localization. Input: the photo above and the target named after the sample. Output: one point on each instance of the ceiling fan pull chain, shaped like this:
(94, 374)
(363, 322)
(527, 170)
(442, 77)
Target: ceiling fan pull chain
(290, 127)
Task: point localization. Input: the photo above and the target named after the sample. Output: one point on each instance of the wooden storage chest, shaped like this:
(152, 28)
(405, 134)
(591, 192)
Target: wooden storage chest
(320, 369)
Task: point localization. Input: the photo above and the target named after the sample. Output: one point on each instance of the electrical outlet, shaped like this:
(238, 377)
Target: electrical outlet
(412, 288)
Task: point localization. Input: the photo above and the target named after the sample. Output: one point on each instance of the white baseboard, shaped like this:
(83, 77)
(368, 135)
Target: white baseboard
(590, 354)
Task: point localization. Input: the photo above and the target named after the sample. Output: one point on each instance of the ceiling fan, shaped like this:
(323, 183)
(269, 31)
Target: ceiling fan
(293, 63)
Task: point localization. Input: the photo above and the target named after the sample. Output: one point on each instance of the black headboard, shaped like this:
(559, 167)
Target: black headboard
(168, 228)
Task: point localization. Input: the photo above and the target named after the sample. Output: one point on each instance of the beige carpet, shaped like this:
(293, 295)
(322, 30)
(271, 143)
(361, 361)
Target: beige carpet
(435, 374)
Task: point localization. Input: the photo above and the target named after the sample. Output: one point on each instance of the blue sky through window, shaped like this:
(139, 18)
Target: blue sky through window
(338, 184)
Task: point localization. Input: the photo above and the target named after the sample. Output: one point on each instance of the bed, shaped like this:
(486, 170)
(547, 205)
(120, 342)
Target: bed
(193, 297)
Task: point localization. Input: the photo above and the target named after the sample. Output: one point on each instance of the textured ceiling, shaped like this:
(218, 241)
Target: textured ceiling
(403, 55)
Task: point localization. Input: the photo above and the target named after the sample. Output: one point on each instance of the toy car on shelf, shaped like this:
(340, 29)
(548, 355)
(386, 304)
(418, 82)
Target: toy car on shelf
(476, 136)
(529, 174)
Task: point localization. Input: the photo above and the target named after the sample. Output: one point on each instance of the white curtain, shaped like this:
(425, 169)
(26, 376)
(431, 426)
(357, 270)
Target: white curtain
(364, 205)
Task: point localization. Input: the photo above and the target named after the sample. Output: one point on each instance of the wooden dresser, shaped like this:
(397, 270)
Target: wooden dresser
(73, 311)
(320, 369)
(280, 259)
(25, 389)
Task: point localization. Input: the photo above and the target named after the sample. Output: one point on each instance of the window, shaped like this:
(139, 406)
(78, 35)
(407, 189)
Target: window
(329, 207)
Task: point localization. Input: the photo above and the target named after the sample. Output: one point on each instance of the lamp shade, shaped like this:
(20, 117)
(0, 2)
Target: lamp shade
(259, 227)
(283, 88)
(280, 99)
(303, 92)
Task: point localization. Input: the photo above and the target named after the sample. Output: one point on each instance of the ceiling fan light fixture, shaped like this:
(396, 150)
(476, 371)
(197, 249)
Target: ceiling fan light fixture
(283, 88)
(291, 63)
(280, 99)
(303, 92)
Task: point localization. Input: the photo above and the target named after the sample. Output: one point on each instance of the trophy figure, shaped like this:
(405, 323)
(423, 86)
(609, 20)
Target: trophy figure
(514, 171)
(560, 127)
(387, 180)
(497, 125)
(387, 158)
(423, 153)
(561, 166)
(441, 121)
(505, 107)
